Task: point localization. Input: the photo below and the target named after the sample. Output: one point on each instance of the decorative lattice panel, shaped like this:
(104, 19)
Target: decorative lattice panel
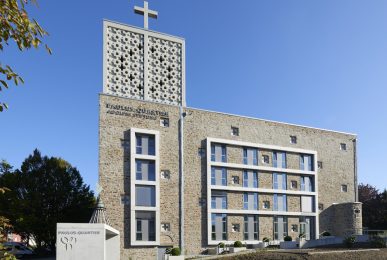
(143, 65)
(165, 71)
(125, 63)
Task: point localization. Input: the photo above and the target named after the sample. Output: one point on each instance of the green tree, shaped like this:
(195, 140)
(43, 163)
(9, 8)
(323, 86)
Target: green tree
(374, 206)
(45, 191)
(17, 26)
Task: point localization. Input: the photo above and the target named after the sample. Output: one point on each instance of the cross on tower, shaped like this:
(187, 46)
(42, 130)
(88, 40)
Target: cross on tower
(146, 13)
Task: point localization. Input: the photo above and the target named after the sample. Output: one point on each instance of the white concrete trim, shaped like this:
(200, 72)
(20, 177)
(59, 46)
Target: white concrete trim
(262, 146)
(316, 220)
(133, 182)
(261, 212)
(209, 220)
(261, 190)
(261, 168)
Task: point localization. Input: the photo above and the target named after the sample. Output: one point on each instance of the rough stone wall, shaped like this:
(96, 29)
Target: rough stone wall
(235, 219)
(349, 219)
(265, 227)
(114, 166)
(293, 161)
(235, 200)
(294, 203)
(265, 180)
(234, 172)
(234, 154)
(265, 197)
(293, 221)
(296, 178)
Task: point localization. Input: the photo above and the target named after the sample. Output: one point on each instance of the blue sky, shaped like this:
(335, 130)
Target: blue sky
(316, 63)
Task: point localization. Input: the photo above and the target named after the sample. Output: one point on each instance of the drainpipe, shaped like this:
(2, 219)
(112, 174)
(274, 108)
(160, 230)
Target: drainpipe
(181, 175)
(355, 169)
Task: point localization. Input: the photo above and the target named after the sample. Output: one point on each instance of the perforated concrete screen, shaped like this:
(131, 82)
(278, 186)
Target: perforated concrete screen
(144, 65)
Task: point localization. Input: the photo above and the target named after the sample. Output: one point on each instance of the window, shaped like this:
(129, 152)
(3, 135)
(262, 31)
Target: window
(145, 144)
(279, 181)
(145, 196)
(343, 147)
(319, 164)
(145, 170)
(280, 202)
(218, 176)
(250, 179)
(165, 174)
(201, 152)
(250, 156)
(235, 179)
(164, 122)
(279, 159)
(344, 188)
(234, 131)
(250, 201)
(294, 228)
(251, 227)
(266, 204)
(306, 162)
(280, 227)
(306, 184)
(236, 228)
(219, 227)
(307, 204)
(165, 227)
(293, 184)
(293, 139)
(265, 159)
(145, 226)
(219, 200)
(321, 206)
(218, 153)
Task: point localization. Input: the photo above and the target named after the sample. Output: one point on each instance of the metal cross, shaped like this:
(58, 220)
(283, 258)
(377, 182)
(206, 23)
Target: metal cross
(146, 13)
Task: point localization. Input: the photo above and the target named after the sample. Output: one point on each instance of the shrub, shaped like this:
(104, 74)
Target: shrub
(326, 234)
(378, 242)
(175, 251)
(238, 244)
(288, 238)
(349, 241)
(221, 245)
(265, 239)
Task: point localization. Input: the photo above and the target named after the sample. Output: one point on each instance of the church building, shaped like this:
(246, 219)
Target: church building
(177, 176)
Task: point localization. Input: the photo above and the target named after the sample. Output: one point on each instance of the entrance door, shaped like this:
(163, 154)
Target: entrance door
(305, 228)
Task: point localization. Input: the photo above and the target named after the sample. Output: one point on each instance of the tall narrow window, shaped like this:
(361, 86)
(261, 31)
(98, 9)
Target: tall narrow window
(250, 201)
(145, 170)
(251, 227)
(218, 176)
(280, 227)
(219, 227)
(279, 160)
(145, 226)
(306, 183)
(250, 156)
(279, 181)
(306, 162)
(145, 144)
(219, 200)
(280, 202)
(250, 179)
(218, 153)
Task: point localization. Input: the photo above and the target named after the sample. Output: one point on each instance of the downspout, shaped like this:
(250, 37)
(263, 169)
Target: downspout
(181, 175)
(355, 169)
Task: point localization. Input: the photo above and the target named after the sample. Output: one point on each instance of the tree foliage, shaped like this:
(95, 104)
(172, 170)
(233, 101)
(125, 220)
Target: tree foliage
(45, 191)
(16, 26)
(374, 206)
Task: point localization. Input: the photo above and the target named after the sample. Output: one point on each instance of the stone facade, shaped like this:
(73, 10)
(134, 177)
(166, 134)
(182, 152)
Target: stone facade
(116, 121)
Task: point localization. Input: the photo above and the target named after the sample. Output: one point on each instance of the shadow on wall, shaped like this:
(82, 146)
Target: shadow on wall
(327, 220)
(204, 199)
(126, 160)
